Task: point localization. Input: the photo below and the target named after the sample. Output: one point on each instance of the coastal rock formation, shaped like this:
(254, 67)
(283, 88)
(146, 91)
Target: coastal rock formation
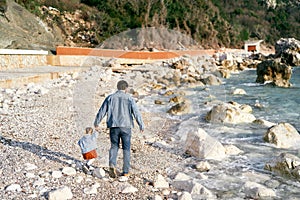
(274, 72)
(283, 135)
(231, 112)
(288, 49)
(286, 165)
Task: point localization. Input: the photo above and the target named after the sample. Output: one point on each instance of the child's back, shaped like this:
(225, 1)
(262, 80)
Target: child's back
(88, 146)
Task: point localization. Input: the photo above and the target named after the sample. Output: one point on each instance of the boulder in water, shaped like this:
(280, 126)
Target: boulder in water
(286, 165)
(274, 72)
(232, 113)
(202, 145)
(283, 135)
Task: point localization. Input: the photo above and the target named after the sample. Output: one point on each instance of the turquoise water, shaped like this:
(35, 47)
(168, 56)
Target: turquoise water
(279, 104)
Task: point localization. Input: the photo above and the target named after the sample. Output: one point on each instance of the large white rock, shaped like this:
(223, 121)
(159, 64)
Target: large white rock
(283, 135)
(257, 191)
(232, 113)
(202, 145)
(62, 193)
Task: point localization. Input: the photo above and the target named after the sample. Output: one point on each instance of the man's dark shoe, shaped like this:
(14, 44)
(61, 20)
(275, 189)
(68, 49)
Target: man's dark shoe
(112, 172)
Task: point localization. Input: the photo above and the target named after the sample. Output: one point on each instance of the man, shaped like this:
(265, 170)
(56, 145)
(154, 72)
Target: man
(120, 109)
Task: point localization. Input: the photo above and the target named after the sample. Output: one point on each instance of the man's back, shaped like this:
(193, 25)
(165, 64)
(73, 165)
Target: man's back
(119, 113)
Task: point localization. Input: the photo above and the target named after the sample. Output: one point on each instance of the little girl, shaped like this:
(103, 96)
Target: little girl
(88, 146)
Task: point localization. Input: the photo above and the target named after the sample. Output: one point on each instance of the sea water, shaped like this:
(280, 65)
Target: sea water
(277, 105)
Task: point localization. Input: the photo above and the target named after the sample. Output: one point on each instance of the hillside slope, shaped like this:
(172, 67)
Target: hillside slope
(151, 24)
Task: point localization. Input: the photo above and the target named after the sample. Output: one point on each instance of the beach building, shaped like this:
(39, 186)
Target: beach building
(253, 45)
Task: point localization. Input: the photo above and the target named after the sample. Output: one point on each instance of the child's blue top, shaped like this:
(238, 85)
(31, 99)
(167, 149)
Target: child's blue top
(88, 142)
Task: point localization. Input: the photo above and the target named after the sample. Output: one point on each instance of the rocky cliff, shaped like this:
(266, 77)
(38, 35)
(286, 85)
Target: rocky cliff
(22, 30)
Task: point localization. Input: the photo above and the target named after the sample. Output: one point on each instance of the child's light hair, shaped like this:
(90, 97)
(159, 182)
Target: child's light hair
(88, 130)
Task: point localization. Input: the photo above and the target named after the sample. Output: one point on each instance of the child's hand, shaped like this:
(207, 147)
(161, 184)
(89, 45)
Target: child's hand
(97, 128)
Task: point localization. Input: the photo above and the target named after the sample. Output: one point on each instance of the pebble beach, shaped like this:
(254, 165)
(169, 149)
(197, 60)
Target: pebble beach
(41, 123)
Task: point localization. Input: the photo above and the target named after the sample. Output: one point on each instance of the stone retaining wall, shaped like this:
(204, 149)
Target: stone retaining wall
(8, 62)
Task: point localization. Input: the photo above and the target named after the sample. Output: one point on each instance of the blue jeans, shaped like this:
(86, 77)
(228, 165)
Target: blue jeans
(117, 135)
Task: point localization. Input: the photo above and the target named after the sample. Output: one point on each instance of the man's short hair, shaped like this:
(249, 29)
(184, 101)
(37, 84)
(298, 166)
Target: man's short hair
(122, 85)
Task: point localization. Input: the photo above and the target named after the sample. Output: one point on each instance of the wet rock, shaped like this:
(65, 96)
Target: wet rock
(202, 145)
(255, 190)
(283, 135)
(158, 102)
(285, 164)
(232, 150)
(274, 72)
(176, 99)
(211, 80)
(264, 122)
(239, 91)
(62, 193)
(232, 113)
(180, 108)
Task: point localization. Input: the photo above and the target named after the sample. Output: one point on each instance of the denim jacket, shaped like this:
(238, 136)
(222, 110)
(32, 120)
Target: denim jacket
(88, 142)
(120, 109)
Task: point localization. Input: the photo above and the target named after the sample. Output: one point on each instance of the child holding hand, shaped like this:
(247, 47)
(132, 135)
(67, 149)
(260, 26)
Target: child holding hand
(88, 146)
